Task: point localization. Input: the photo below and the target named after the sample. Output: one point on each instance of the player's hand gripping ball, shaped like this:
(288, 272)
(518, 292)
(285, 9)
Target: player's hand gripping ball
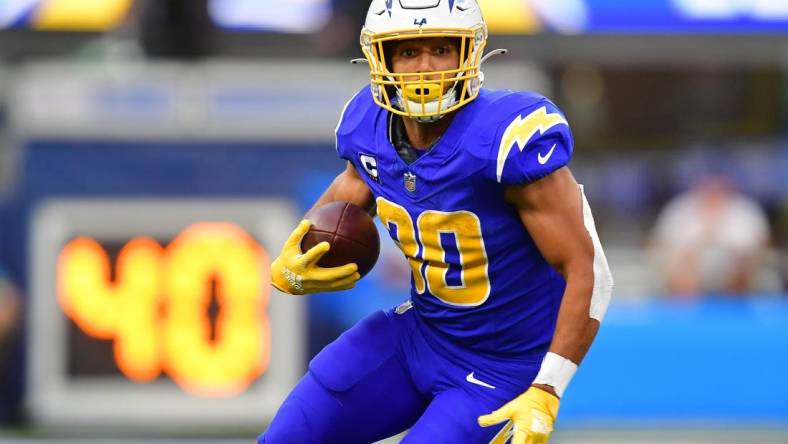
(349, 230)
(332, 255)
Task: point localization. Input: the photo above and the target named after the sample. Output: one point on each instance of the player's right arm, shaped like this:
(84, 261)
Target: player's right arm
(348, 186)
(297, 272)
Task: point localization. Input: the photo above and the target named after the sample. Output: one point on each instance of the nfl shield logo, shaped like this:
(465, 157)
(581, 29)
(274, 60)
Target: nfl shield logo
(410, 182)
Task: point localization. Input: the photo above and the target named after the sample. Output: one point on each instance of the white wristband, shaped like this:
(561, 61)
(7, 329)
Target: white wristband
(556, 371)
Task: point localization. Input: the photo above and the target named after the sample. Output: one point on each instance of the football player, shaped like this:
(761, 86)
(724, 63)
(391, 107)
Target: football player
(509, 281)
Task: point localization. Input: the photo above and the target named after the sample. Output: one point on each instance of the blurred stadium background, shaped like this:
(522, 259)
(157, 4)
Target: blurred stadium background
(154, 155)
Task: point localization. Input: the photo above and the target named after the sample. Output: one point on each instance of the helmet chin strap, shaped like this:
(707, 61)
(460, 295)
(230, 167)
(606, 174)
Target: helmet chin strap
(430, 119)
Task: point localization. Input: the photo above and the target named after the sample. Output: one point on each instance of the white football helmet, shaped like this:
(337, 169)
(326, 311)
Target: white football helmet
(424, 99)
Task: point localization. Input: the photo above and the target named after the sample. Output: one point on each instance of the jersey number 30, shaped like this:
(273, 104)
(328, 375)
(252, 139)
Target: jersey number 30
(421, 243)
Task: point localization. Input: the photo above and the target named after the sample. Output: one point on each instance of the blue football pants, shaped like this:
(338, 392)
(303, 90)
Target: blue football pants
(388, 374)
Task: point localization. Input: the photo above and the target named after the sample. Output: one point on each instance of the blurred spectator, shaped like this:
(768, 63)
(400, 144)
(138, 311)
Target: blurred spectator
(10, 319)
(710, 240)
(9, 311)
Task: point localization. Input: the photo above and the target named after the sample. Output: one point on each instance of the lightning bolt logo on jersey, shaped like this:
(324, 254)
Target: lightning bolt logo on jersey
(477, 276)
(521, 130)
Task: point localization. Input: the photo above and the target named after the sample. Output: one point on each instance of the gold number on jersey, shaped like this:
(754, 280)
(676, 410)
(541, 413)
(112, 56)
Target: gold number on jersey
(466, 229)
(393, 214)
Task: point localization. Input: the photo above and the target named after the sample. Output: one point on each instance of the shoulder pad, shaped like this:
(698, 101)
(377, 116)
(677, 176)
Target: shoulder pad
(530, 138)
(355, 112)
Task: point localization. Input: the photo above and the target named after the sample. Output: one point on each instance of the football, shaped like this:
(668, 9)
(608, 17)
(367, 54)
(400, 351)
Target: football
(351, 232)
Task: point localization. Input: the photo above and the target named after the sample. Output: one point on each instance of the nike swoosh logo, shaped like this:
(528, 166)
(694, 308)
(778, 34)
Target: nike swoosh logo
(470, 378)
(543, 159)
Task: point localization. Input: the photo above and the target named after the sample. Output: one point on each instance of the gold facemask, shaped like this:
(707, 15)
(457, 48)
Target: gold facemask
(431, 95)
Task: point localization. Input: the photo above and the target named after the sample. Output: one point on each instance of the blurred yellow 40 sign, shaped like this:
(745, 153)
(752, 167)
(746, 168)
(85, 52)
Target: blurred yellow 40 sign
(156, 309)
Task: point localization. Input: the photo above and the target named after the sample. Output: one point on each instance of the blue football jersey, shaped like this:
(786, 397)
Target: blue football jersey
(477, 276)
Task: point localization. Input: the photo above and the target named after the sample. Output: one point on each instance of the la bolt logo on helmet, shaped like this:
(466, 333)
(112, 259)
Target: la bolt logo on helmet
(413, 94)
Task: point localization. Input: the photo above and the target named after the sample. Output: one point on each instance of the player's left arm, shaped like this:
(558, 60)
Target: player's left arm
(556, 214)
(551, 209)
